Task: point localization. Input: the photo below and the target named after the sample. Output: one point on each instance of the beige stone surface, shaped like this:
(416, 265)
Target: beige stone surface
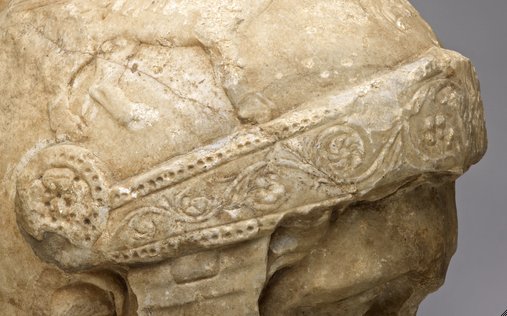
(228, 157)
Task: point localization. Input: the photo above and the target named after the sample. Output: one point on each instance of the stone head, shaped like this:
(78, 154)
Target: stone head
(231, 157)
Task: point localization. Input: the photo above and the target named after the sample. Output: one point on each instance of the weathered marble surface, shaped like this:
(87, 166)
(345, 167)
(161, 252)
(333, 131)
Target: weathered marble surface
(228, 157)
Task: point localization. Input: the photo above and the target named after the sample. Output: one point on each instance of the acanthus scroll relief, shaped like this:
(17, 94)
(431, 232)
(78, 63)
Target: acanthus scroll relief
(182, 205)
(229, 157)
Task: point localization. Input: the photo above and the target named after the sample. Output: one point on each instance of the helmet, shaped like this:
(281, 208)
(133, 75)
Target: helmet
(203, 143)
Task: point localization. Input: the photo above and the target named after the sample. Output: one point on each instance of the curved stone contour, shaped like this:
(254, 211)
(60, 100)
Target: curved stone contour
(230, 157)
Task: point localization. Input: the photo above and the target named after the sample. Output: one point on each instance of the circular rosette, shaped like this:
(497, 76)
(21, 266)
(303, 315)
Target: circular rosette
(190, 206)
(267, 192)
(342, 152)
(62, 191)
(435, 127)
(259, 188)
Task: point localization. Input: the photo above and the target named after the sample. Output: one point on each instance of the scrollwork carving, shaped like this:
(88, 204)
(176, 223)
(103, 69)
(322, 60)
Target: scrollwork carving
(142, 226)
(258, 187)
(342, 151)
(243, 185)
(189, 206)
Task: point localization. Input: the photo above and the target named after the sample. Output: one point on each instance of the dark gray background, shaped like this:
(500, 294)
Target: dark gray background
(477, 279)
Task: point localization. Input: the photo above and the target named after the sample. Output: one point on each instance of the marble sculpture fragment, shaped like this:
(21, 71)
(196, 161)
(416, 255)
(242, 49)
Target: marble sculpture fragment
(228, 157)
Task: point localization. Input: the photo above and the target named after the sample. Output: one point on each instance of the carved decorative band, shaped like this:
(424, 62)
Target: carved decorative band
(330, 149)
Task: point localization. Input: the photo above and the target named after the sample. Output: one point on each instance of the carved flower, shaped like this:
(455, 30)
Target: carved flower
(267, 193)
(436, 132)
(142, 226)
(59, 201)
(342, 151)
(65, 194)
(61, 191)
(195, 206)
(433, 128)
(189, 206)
